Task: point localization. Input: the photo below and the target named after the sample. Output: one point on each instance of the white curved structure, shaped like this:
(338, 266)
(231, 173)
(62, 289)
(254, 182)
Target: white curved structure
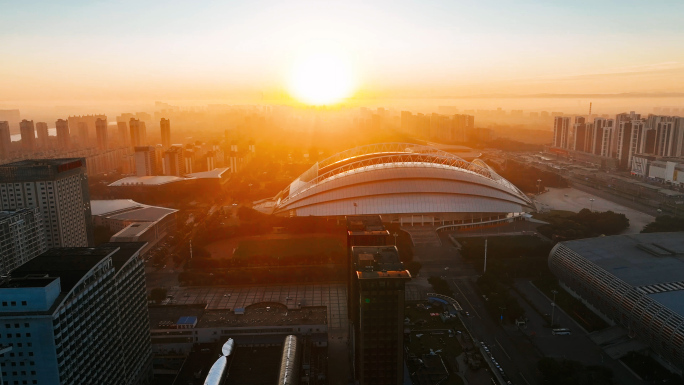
(401, 181)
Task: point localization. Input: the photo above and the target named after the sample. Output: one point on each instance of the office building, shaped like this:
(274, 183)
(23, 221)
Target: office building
(634, 281)
(77, 316)
(138, 133)
(22, 237)
(28, 136)
(123, 135)
(165, 125)
(59, 187)
(145, 161)
(63, 135)
(5, 140)
(173, 161)
(377, 299)
(101, 133)
(42, 130)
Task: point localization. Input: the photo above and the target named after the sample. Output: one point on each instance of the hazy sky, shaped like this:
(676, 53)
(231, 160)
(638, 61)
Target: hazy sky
(166, 50)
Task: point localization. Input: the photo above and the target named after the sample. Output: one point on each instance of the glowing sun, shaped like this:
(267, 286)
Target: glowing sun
(321, 78)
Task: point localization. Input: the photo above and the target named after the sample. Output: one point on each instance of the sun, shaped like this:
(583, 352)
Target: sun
(321, 78)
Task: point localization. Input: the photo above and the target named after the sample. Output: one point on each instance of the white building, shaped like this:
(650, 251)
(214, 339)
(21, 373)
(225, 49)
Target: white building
(59, 188)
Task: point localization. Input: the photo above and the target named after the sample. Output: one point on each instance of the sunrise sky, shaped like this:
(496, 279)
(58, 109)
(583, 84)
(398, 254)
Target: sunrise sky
(96, 50)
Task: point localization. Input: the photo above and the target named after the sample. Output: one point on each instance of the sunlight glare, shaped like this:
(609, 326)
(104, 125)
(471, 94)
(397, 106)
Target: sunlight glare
(321, 78)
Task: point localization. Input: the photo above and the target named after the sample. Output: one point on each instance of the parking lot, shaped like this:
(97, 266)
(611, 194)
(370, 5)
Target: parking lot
(571, 199)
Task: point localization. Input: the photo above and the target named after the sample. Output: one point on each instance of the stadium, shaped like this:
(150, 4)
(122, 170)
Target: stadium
(634, 281)
(405, 183)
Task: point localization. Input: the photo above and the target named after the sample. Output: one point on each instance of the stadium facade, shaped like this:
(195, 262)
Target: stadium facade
(405, 183)
(635, 281)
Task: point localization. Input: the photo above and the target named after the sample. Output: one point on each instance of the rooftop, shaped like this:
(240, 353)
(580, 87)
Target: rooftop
(213, 174)
(376, 258)
(156, 180)
(69, 264)
(260, 314)
(133, 230)
(125, 252)
(40, 162)
(652, 262)
(144, 214)
(102, 207)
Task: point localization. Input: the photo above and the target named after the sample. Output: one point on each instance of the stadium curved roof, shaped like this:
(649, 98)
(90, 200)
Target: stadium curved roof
(398, 178)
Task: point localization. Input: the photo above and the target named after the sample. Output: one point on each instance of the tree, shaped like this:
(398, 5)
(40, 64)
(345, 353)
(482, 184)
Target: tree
(158, 294)
(664, 223)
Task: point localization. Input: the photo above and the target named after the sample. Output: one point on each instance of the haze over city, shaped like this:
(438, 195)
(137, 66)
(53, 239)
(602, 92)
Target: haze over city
(342, 193)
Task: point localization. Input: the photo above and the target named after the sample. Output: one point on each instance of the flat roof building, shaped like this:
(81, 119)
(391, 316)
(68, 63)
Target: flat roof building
(635, 281)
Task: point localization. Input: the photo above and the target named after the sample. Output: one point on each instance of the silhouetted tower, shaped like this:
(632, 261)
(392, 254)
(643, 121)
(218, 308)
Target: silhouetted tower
(28, 135)
(42, 129)
(138, 134)
(63, 140)
(165, 125)
(101, 133)
(5, 140)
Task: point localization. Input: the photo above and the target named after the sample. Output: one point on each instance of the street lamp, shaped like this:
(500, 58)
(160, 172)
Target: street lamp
(591, 204)
(395, 238)
(553, 305)
(501, 317)
(538, 185)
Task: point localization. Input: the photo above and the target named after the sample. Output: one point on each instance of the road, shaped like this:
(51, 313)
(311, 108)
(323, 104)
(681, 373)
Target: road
(578, 346)
(515, 349)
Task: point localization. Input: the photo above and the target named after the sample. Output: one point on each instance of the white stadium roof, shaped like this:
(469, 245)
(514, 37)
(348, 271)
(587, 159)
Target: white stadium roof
(398, 178)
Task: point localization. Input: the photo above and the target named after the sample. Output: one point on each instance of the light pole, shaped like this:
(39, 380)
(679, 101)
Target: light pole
(355, 208)
(538, 186)
(395, 238)
(501, 317)
(591, 204)
(553, 305)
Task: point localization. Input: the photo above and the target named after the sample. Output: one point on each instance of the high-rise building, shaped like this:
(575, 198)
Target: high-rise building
(579, 136)
(561, 131)
(59, 187)
(145, 161)
(101, 133)
(165, 125)
(77, 316)
(630, 141)
(5, 140)
(22, 237)
(42, 130)
(138, 133)
(173, 161)
(28, 135)
(123, 134)
(376, 303)
(63, 136)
